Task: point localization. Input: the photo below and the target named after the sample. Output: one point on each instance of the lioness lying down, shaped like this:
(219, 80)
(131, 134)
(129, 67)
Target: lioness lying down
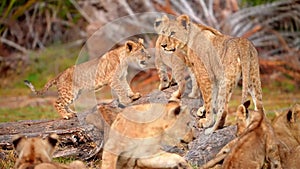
(36, 153)
(136, 133)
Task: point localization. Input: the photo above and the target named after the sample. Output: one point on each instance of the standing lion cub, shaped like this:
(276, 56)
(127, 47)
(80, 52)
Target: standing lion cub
(217, 62)
(110, 69)
(36, 153)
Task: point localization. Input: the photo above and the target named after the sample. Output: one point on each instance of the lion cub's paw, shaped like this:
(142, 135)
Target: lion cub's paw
(194, 95)
(175, 95)
(205, 123)
(164, 85)
(135, 96)
(209, 130)
(69, 116)
(125, 101)
(174, 99)
(201, 112)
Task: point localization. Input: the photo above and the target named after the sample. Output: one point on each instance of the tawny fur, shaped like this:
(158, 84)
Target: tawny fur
(110, 69)
(217, 61)
(255, 146)
(135, 137)
(242, 121)
(287, 130)
(36, 153)
(176, 62)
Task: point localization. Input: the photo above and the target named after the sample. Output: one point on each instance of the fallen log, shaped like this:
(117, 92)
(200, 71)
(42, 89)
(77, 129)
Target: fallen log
(83, 137)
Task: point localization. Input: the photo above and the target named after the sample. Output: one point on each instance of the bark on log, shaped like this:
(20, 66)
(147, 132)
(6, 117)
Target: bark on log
(83, 137)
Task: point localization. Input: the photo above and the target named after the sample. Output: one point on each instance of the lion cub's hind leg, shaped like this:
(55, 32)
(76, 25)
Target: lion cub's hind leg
(65, 99)
(178, 75)
(195, 93)
(63, 109)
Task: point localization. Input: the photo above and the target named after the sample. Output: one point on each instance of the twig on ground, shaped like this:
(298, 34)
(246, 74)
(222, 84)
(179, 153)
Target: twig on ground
(14, 45)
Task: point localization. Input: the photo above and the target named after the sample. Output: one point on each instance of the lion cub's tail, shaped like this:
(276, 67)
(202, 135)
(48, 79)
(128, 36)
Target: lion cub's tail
(45, 88)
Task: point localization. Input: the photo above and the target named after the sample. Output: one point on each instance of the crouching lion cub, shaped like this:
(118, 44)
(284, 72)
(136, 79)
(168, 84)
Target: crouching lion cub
(135, 137)
(287, 130)
(110, 69)
(36, 153)
(256, 145)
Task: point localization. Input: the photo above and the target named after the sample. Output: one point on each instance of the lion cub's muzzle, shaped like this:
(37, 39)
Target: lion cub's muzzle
(190, 136)
(165, 48)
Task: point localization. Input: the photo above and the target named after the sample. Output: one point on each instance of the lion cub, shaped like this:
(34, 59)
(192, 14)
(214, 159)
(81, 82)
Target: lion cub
(287, 130)
(135, 137)
(177, 62)
(217, 61)
(36, 153)
(242, 121)
(255, 145)
(110, 69)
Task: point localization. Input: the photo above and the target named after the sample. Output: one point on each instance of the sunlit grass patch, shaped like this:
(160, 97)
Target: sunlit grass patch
(28, 113)
(7, 159)
(43, 66)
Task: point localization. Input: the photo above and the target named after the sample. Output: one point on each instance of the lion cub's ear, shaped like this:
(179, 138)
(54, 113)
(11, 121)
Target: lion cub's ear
(293, 113)
(242, 111)
(161, 21)
(141, 41)
(17, 142)
(289, 116)
(52, 139)
(247, 104)
(174, 108)
(129, 46)
(183, 20)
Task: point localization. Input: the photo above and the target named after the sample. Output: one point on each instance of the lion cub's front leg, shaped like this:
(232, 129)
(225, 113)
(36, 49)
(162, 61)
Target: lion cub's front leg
(161, 70)
(164, 160)
(66, 97)
(177, 73)
(120, 85)
(195, 93)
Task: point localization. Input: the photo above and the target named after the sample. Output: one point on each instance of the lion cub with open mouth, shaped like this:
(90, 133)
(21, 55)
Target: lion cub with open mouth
(36, 153)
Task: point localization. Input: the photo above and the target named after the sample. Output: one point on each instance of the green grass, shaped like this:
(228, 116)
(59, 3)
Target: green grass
(9, 160)
(64, 160)
(43, 66)
(28, 113)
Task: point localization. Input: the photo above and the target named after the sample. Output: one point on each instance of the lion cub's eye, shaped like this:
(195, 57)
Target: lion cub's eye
(172, 33)
(142, 51)
(163, 32)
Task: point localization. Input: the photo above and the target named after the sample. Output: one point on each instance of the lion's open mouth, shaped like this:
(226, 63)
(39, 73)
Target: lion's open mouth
(169, 50)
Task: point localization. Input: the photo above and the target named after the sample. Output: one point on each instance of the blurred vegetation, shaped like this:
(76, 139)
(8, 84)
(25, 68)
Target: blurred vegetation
(44, 65)
(248, 3)
(28, 113)
(34, 24)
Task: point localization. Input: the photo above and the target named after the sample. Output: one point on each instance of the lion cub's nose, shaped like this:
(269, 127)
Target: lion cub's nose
(163, 45)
